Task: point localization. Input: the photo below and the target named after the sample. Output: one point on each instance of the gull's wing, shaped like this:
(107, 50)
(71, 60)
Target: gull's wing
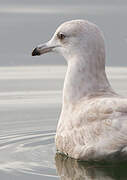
(105, 127)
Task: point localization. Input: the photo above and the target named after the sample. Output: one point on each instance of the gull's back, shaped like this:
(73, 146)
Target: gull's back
(94, 129)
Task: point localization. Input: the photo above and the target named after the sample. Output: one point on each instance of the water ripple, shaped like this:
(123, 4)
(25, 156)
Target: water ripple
(30, 153)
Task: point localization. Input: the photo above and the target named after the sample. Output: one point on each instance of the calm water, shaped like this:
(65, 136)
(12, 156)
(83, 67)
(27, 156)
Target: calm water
(30, 102)
(31, 87)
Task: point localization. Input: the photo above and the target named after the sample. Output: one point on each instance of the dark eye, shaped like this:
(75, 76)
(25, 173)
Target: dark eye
(61, 36)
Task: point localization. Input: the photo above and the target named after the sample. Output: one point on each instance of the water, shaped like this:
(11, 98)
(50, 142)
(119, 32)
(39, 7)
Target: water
(28, 122)
(31, 87)
(30, 103)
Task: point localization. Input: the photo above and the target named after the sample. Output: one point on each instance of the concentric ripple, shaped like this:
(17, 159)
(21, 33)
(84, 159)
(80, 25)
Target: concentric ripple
(30, 153)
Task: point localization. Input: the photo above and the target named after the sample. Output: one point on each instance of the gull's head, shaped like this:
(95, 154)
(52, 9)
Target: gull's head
(73, 39)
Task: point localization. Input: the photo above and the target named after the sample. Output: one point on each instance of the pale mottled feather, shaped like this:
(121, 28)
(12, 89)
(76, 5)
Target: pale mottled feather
(93, 121)
(94, 128)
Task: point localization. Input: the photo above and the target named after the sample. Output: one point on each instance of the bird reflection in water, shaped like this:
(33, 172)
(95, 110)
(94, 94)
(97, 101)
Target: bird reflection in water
(70, 169)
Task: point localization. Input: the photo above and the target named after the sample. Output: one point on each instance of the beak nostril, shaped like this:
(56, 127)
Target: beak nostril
(35, 52)
(42, 49)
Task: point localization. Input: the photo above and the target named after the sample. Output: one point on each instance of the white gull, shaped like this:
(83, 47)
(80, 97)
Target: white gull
(93, 121)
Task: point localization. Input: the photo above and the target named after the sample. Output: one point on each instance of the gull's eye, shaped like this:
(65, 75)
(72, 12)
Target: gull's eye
(61, 36)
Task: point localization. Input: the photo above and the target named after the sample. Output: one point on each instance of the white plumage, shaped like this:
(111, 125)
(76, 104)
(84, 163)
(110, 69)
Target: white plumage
(93, 121)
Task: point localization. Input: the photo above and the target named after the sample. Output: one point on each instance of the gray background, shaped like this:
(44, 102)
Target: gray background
(26, 23)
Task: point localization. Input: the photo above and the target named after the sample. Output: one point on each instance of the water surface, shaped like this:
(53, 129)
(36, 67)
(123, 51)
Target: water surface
(30, 104)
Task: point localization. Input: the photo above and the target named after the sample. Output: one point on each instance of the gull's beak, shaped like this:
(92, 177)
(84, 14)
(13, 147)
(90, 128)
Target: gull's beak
(42, 49)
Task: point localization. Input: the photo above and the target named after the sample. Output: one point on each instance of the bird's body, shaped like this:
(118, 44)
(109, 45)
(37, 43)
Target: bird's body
(93, 121)
(93, 128)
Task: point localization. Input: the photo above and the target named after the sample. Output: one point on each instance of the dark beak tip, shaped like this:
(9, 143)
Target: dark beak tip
(36, 52)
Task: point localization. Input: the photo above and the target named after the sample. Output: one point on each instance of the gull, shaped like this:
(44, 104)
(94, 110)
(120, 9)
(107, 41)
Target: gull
(93, 120)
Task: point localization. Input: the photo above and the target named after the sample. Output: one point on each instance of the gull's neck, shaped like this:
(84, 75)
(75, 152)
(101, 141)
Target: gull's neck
(85, 76)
